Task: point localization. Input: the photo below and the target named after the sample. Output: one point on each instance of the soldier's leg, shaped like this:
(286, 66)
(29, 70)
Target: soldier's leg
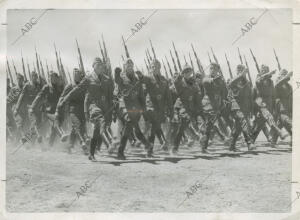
(179, 135)
(94, 142)
(125, 134)
(72, 140)
(98, 120)
(242, 126)
(286, 123)
(271, 122)
(258, 125)
(209, 122)
(78, 128)
(234, 135)
(141, 137)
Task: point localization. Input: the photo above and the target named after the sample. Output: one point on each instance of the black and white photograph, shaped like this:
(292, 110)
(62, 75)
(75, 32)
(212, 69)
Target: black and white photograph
(149, 110)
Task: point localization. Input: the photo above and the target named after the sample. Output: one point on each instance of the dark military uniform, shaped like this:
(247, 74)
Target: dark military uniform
(131, 107)
(215, 103)
(98, 106)
(187, 107)
(77, 116)
(25, 100)
(11, 101)
(264, 102)
(236, 96)
(47, 100)
(158, 103)
(284, 103)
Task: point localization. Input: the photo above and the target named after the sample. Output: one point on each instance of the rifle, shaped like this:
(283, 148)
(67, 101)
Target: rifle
(107, 60)
(170, 70)
(102, 52)
(256, 64)
(209, 57)
(126, 49)
(229, 68)
(240, 55)
(184, 59)
(165, 69)
(80, 59)
(216, 60)
(42, 69)
(37, 63)
(175, 68)
(200, 67)
(34, 67)
(122, 58)
(9, 72)
(28, 69)
(278, 64)
(178, 61)
(105, 50)
(23, 67)
(150, 58)
(268, 75)
(57, 61)
(69, 75)
(48, 73)
(192, 64)
(146, 65)
(249, 76)
(63, 71)
(14, 67)
(153, 51)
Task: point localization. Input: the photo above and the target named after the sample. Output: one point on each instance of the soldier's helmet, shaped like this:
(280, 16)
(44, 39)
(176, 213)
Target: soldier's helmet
(282, 76)
(77, 75)
(264, 69)
(97, 60)
(214, 70)
(155, 64)
(199, 75)
(34, 75)
(128, 65)
(20, 77)
(240, 68)
(186, 69)
(128, 61)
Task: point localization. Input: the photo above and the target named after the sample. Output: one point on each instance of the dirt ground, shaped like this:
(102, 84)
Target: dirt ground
(44, 179)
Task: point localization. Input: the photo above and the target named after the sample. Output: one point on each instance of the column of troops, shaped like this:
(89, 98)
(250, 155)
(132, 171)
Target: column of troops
(181, 107)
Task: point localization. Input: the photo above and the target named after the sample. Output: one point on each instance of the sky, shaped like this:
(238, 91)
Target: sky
(204, 28)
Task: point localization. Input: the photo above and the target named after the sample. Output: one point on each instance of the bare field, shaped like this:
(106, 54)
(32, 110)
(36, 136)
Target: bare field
(43, 179)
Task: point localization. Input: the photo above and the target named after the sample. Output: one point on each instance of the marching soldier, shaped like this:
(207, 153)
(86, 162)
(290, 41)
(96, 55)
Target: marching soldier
(131, 106)
(28, 94)
(47, 100)
(238, 92)
(284, 103)
(11, 101)
(158, 100)
(99, 107)
(76, 111)
(215, 103)
(187, 106)
(264, 102)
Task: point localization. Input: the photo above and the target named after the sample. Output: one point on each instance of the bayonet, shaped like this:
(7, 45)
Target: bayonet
(229, 68)
(256, 64)
(126, 49)
(176, 54)
(278, 64)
